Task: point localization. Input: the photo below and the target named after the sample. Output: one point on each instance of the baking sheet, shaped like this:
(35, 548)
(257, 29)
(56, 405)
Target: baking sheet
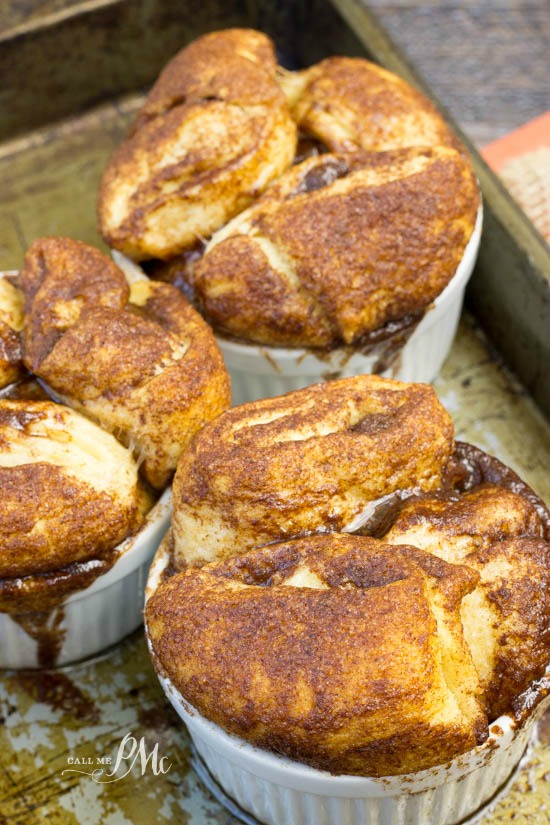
(50, 720)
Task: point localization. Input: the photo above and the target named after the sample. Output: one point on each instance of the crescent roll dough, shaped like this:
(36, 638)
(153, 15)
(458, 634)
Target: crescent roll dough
(139, 361)
(214, 132)
(341, 245)
(349, 103)
(500, 534)
(69, 490)
(339, 651)
(310, 461)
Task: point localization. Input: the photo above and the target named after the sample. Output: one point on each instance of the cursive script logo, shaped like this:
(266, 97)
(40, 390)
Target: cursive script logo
(130, 751)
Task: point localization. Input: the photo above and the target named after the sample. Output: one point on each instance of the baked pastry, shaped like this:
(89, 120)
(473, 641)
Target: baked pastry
(504, 536)
(292, 465)
(348, 103)
(214, 131)
(340, 248)
(70, 491)
(339, 651)
(11, 322)
(335, 263)
(139, 360)
(379, 653)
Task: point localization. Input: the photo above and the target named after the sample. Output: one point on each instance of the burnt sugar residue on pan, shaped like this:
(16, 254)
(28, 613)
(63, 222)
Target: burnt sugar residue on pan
(57, 690)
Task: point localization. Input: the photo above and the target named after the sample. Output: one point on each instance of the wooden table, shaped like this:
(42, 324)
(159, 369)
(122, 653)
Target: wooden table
(487, 60)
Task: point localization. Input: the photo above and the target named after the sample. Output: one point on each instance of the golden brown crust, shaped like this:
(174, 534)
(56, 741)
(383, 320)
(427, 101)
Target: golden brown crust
(214, 131)
(216, 65)
(339, 246)
(350, 103)
(148, 370)
(454, 528)
(69, 491)
(309, 461)
(498, 533)
(513, 599)
(270, 659)
(61, 278)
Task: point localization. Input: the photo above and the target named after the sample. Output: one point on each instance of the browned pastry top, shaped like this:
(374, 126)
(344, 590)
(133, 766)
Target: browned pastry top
(70, 492)
(339, 246)
(214, 131)
(340, 651)
(140, 360)
(311, 460)
(215, 66)
(503, 534)
(349, 103)
(60, 278)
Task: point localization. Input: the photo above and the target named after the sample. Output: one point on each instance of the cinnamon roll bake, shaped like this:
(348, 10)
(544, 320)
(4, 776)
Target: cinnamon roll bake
(340, 651)
(70, 491)
(138, 359)
(313, 460)
(347, 586)
(335, 250)
(214, 131)
(341, 246)
(121, 376)
(348, 103)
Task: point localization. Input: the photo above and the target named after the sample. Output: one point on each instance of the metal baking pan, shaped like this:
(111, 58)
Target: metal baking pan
(85, 66)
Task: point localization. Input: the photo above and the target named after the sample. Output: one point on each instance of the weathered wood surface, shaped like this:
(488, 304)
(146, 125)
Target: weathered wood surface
(50, 180)
(64, 57)
(487, 60)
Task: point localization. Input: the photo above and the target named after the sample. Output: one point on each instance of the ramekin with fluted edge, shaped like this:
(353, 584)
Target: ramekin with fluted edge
(259, 371)
(276, 790)
(90, 620)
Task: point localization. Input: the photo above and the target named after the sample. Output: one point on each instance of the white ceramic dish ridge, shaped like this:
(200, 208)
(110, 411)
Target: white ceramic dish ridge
(278, 791)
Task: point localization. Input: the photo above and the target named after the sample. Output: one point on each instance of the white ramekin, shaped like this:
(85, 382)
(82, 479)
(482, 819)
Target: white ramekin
(277, 790)
(259, 371)
(102, 614)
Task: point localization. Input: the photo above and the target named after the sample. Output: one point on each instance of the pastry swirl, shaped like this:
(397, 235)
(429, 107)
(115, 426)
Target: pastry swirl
(215, 130)
(140, 361)
(349, 103)
(378, 653)
(339, 651)
(499, 534)
(70, 492)
(310, 461)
